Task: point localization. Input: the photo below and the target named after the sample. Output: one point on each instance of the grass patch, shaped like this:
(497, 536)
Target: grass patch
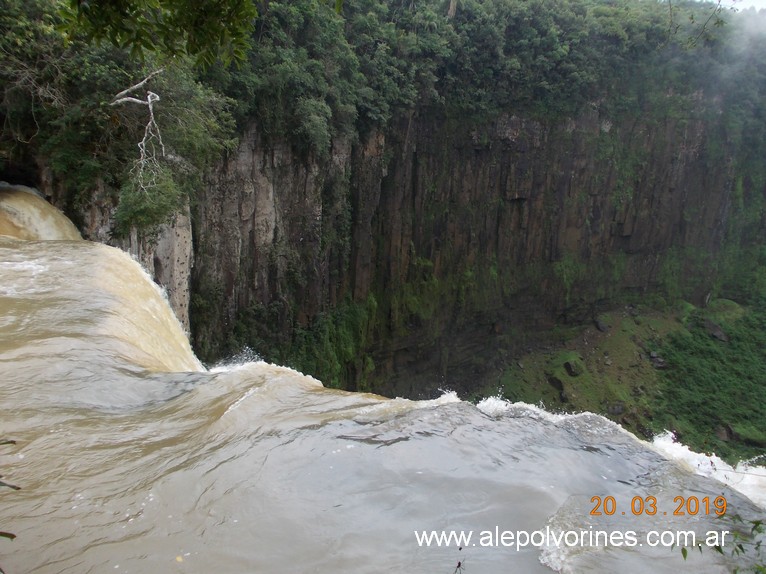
(617, 379)
(712, 392)
(700, 373)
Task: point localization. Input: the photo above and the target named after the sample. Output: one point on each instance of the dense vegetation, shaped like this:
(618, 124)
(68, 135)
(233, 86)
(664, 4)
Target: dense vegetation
(207, 30)
(311, 75)
(712, 389)
(331, 75)
(57, 115)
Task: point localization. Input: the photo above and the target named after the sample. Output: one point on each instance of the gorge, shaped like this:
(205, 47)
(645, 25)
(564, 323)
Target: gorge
(505, 246)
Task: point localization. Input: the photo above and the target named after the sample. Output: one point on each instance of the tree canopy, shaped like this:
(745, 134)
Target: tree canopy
(207, 30)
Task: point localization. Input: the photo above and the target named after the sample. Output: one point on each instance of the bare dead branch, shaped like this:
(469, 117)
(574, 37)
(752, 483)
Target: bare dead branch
(138, 86)
(129, 99)
(704, 28)
(146, 169)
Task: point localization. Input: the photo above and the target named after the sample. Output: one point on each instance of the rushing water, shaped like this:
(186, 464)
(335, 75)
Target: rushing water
(132, 457)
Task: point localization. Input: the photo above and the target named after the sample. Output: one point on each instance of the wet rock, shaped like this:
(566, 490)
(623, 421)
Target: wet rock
(601, 326)
(657, 361)
(716, 331)
(724, 433)
(558, 384)
(555, 382)
(616, 409)
(573, 368)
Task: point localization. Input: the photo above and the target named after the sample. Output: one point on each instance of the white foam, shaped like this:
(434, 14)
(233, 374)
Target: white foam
(242, 359)
(747, 478)
(447, 397)
(497, 406)
(493, 406)
(20, 278)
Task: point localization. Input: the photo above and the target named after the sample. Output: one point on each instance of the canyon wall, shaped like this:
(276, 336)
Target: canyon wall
(460, 241)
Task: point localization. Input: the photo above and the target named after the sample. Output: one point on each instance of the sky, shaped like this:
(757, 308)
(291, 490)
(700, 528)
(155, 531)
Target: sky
(744, 4)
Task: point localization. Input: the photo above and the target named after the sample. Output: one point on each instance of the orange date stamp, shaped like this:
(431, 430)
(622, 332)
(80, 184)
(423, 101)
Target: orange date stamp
(647, 505)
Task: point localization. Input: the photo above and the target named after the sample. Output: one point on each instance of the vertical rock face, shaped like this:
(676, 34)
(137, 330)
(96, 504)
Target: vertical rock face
(169, 257)
(262, 227)
(517, 193)
(464, 234)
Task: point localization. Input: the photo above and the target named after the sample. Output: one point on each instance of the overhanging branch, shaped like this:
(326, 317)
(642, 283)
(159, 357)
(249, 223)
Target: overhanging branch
(117, 99)
(147, 168)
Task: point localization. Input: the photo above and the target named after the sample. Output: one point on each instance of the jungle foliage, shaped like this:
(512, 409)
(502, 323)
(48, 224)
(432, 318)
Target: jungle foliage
(206, 30)
(312, 71)
(56, 116)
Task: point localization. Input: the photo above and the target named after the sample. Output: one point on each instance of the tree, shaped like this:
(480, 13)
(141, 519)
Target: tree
(64, 106)
(207, 30)
(713, 18)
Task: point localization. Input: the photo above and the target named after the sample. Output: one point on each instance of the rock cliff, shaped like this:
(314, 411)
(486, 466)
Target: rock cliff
(471, 238)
